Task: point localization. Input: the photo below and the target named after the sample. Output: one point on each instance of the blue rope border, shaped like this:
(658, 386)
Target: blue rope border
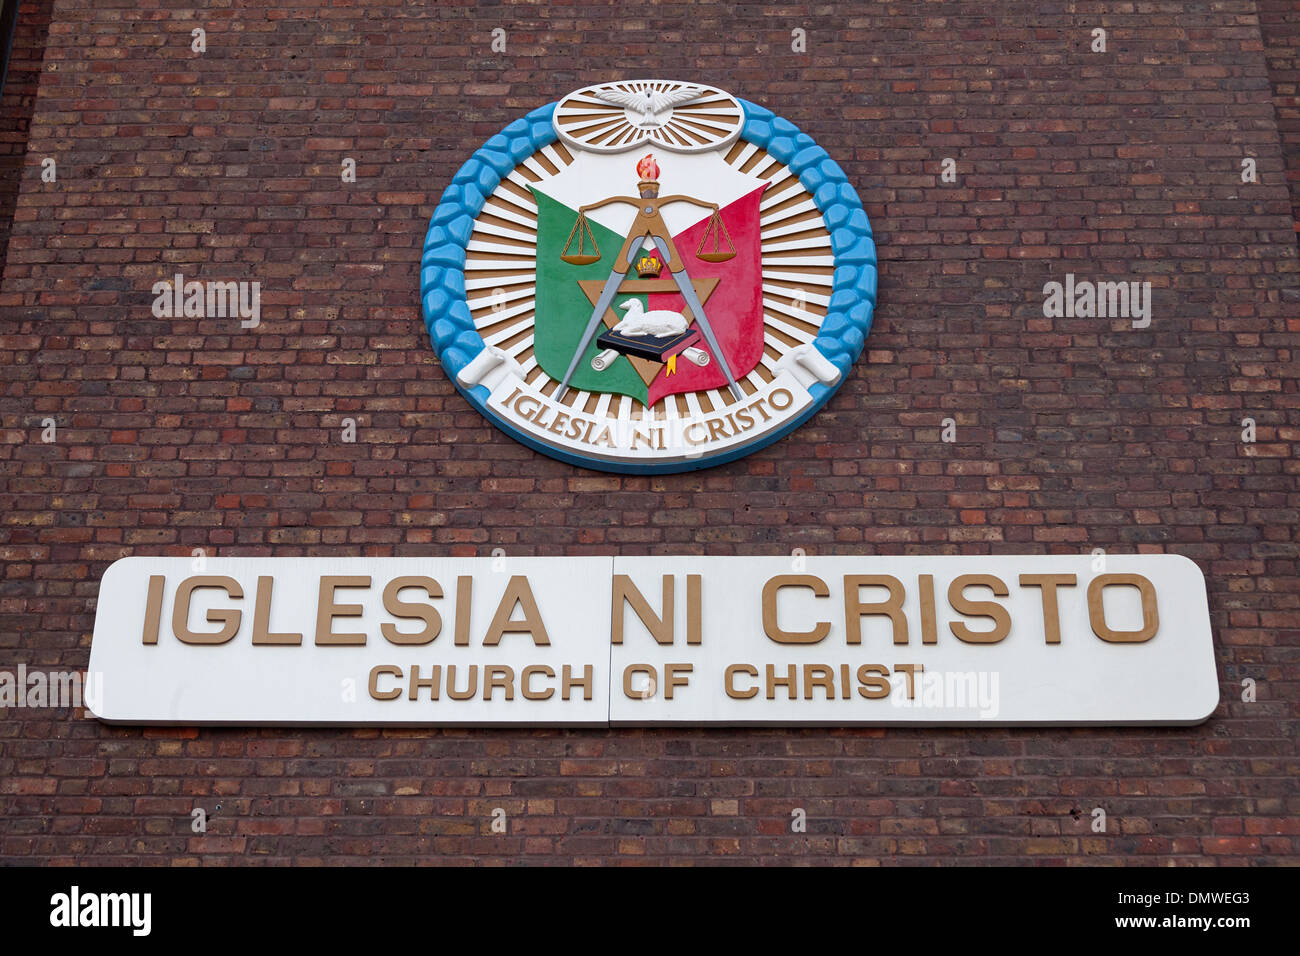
(843, 331)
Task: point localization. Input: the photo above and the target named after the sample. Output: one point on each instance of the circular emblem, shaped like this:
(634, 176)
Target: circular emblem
(649, 276)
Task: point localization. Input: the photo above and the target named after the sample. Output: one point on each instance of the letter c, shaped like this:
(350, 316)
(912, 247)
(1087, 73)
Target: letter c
(772, 628)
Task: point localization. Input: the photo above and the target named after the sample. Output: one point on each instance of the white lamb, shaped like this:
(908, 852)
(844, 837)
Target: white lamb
(659, 322)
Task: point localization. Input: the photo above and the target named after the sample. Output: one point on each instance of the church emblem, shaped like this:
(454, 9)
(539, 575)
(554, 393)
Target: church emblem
(649, 276)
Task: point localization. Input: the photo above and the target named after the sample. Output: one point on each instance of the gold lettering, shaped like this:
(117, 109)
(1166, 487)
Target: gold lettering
(873, 687)
(626, 594)
(464, 598)
(327, 610)
(374, 682)
(568, 681)
(911, 670)
(262, 617)
(498, 675)
(153, 609)
(790, 682)
(929, 626)
(694, 609)
(855, 610)
(409, 612)
(228, 617)
(431, 682)
(525, 682)
(671, 678)
(534, 406)
(818, 675)
(1051, 610)
(729, 680)
(518, 592)
(1097, 609)
(651, 688)
(471, 683)
(989, 609)
(772, 627)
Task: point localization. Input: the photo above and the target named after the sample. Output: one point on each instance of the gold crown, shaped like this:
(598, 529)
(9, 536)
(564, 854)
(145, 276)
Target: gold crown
(649, 266)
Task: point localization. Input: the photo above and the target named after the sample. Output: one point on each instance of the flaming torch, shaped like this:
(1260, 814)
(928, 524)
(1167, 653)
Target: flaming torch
(648, 170)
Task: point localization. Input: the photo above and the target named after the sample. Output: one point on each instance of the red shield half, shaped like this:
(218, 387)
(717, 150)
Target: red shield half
(734, 310)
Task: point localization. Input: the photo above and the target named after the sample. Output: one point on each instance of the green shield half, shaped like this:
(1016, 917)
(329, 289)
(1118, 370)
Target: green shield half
(563, 309)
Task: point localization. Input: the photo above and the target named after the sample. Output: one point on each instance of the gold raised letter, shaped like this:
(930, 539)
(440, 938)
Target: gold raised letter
(1097, 611)
(374, 682)
(1001, 619)
(401, 609)
(855, 610)
(227, 616)
(732, 671)
(517, 592)
(262, 616)
(627, 593)
(1051, 610)
(327, 610)
(153, 609)
(772, 628)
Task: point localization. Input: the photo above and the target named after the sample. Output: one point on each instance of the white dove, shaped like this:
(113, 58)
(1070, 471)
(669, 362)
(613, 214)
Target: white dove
(649, 103)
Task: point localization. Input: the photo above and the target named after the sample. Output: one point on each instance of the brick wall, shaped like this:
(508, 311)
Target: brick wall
(16, 104)
(1280, 29)
(1073, 434)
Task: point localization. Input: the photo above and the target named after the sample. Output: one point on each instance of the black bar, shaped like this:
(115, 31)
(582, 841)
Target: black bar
(924, 904)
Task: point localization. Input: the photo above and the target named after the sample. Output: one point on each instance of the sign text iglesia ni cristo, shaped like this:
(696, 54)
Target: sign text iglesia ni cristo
(655, 640)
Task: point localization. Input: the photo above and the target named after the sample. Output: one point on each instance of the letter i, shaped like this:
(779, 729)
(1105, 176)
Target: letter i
(153, 609)
(464, 596)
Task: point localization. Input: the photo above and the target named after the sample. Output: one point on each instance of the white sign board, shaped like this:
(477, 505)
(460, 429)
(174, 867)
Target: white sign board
(311, 638)
(836, 641)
